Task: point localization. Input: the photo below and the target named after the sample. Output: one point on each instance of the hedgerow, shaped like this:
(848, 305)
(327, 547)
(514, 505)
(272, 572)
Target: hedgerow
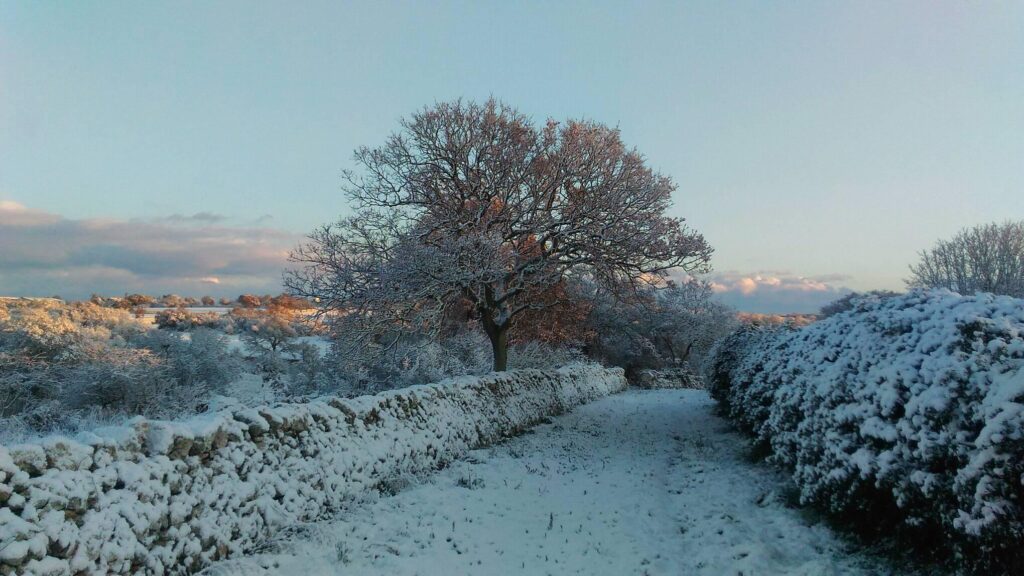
(903, 413)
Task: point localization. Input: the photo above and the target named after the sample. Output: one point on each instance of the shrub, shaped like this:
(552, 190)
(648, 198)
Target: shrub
(309, 373)
(370, 369)
(172, 301)
(68, 365)
(52, 330)
(672, 326)
(420, 361)
(846, 302)
(542, 356)
(198, 359)
(183, 319)
(249, 301)
(905, 412)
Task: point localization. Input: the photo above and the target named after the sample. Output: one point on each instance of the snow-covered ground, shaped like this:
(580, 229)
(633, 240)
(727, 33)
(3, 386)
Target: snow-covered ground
(644, 482)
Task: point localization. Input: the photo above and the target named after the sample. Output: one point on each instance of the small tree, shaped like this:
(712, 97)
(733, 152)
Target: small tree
(475, 203)
(269, 332)
(287, 302)
(249, 301)
(987, 258)
(183, 319)
(208, 301)
(172, 301)
(139, 300)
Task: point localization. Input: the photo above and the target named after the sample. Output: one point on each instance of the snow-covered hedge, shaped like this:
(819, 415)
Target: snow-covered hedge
(905, 411)
(169, 497)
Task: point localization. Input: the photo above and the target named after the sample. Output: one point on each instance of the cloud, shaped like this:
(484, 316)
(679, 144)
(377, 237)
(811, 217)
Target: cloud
(197, 218)
(777, 291)
(15, 214)
(45, 253)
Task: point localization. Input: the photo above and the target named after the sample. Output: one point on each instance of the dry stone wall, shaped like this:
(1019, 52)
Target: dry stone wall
(161, 497)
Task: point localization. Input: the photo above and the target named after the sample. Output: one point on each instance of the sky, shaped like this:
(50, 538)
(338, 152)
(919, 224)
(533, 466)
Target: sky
(187, 147)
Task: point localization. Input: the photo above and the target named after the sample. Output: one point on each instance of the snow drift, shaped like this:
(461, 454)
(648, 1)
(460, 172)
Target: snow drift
(905, 411)
(169, 497)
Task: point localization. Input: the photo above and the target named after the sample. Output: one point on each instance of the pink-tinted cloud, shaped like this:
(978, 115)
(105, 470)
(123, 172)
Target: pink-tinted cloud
(15, 214)
(45, 253)
(777, 292)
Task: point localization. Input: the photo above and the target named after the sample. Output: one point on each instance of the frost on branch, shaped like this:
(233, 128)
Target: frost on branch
(475, 204)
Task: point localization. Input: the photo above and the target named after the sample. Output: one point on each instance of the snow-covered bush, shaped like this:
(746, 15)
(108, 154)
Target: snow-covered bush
(159, 497)
(369, 369)
(308, 373)
(724, 358)
(65, 366)
(49, 330)
(846, 302)
(542, 356)
(185, 319)
(198, 364)
(904, 411)
(666, 327)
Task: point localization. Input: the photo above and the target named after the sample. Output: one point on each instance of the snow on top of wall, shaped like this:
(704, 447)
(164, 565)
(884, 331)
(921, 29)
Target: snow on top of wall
(167, 497)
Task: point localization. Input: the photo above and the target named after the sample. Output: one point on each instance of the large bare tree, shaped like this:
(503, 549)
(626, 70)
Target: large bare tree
(986, 258)
(474, 203)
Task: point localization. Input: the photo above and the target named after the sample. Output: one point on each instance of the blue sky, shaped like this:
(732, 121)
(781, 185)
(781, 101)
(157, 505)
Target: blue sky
(818, 145)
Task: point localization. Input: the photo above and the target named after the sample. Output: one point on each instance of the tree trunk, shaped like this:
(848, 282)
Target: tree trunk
(499, 346)
(686, 355)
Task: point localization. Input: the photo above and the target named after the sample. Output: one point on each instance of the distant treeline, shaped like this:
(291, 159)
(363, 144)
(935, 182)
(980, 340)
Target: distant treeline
(132, 301)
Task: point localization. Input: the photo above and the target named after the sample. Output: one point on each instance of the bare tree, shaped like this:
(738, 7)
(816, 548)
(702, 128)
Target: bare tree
(661, 327)
(475, 203)
(987, 258)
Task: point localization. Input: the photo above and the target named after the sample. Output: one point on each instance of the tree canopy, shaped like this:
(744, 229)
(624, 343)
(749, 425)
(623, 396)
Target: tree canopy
(986, 258)
(475, 204)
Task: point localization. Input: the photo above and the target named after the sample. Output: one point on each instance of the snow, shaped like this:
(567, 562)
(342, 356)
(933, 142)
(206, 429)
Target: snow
(915, 400)
(643, 482)
(168, 497)
(237, 344)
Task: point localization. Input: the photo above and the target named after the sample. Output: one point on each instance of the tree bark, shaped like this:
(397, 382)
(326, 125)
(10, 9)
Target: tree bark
(498, 333)
(499, 346)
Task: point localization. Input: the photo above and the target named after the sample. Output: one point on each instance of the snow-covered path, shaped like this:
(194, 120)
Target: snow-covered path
(644, 482)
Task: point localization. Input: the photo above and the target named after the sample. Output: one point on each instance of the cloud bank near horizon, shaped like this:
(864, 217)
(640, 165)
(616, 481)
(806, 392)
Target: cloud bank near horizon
(47, 254)
(777, 291)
